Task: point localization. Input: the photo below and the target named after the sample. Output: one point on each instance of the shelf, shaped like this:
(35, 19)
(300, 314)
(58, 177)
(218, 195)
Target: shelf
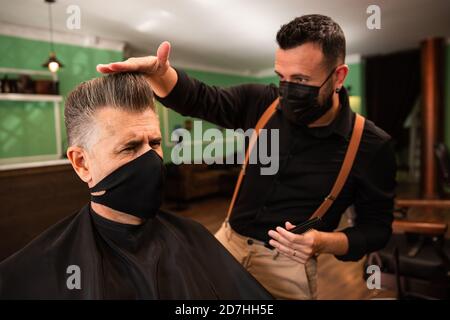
(30, 97)
(26, 165)
(27, 72)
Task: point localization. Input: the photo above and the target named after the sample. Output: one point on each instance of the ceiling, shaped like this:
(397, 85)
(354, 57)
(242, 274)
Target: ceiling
(235, 35)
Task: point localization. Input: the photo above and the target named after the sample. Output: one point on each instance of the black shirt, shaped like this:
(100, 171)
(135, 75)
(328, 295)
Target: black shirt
(309, 162)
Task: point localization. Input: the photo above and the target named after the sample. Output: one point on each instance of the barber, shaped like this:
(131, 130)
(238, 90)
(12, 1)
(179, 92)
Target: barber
(315, 126)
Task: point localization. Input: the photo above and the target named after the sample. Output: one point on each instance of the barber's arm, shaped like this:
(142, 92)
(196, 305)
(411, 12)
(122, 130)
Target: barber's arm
(374, 201)
(234, 107)
(374, 205)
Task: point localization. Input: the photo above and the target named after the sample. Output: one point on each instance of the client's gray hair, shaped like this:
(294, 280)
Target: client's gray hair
(126, 91)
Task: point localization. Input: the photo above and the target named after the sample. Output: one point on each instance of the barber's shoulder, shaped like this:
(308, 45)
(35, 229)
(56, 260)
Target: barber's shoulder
(378, 143)
(264, 94)
(256, 98)
(374, 134)
(271, 93)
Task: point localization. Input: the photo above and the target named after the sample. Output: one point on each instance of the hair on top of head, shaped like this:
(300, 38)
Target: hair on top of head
(127, 91)
(318, 29)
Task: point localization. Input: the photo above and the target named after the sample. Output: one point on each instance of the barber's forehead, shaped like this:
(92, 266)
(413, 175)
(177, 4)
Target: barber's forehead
(307, 56)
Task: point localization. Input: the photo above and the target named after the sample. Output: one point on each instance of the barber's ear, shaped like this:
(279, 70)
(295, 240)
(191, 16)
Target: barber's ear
(78, 158)
(341, 74)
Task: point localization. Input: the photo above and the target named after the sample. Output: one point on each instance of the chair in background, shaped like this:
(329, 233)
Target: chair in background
(415, 262)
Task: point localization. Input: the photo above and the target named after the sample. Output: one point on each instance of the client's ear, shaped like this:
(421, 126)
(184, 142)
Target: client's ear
(78, 159)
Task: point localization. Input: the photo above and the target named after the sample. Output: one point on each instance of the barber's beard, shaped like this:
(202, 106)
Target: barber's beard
(325, 100)
(326, 96)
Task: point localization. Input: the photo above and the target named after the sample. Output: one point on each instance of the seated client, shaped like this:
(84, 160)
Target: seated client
(120, 245)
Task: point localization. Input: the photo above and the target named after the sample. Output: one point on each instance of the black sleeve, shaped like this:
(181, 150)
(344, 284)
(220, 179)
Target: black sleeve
(234, 107)
(374, 203)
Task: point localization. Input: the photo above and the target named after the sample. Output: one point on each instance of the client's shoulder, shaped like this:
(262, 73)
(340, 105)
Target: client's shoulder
(186, 231)
(41, 246)
(178, 223)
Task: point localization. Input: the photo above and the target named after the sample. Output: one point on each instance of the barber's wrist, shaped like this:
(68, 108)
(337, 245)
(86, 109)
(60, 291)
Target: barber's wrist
(320, 242)
(332, 242)
(163, 84)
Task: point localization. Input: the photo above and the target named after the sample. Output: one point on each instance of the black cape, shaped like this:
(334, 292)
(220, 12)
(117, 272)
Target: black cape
(167, 257)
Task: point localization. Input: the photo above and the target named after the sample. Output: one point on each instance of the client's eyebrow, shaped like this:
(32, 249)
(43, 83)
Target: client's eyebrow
(135, 143)
(157, 139)
(132, 143)
(129, 144)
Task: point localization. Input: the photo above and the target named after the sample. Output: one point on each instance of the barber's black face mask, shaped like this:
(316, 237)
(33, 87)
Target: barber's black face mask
(299, 102)
(134, 188)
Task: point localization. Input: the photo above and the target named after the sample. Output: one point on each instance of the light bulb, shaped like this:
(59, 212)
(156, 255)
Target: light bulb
(53, 66)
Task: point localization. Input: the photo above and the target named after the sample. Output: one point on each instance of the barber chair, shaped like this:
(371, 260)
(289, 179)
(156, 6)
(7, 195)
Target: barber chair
(415, 262)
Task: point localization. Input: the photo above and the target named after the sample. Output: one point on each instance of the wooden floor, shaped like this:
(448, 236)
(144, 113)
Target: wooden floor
(336, 279)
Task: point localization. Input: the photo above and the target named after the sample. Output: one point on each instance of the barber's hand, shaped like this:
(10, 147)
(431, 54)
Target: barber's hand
(151, 65)
(298, 247)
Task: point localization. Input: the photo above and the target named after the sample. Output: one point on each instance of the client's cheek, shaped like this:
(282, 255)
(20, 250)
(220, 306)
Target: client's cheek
(98, 174)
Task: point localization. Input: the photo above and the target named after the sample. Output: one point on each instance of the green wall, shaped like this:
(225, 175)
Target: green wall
(355, 81)
(27, 128)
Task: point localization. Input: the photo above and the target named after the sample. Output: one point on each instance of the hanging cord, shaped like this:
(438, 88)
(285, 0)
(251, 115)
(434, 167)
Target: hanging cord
(50, 21)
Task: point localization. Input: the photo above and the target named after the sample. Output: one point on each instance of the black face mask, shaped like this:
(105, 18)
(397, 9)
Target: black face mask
(134, 188)
(299, 102)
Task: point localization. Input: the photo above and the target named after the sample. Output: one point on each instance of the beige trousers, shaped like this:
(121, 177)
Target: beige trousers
(283, 277)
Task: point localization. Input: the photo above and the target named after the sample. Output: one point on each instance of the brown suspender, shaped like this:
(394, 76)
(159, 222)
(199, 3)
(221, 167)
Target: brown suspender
(343, 173)
(347, 164)
(259, 125)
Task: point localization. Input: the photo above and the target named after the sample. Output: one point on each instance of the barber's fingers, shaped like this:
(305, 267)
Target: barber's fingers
(300, 250)
(143, 64)
(163, 53)
(114, 67)
(151, 64)
(289, 252)
(295, 258)
(306, 239)
(288, 235)
(277, 238)
(289, 226)
(104, 68)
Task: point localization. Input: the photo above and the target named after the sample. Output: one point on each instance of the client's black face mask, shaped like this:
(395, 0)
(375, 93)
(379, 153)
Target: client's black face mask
(299, 102)
(134, 188)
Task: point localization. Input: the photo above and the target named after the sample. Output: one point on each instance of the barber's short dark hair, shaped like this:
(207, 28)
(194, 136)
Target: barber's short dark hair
(126, 91)
(318, 29)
